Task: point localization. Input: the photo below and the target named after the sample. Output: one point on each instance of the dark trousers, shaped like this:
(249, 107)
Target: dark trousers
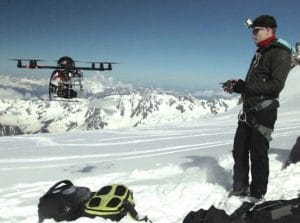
(248, 141)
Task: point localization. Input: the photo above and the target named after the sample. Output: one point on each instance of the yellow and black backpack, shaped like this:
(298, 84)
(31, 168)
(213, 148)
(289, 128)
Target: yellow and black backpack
(112, 202)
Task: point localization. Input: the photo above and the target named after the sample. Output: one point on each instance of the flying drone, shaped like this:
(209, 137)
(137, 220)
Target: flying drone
(65, 80)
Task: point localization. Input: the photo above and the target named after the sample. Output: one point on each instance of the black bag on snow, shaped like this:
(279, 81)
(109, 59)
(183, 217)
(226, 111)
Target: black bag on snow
(212, 215)
(63, 202)
(279, 211)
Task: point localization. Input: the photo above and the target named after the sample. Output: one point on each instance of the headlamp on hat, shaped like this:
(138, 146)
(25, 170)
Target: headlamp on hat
(248, 23)
(262, 21)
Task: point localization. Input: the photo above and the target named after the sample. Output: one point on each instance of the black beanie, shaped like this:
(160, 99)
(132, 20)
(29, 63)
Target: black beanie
(264, 21)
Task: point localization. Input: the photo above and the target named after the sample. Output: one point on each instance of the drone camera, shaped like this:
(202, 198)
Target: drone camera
(32, 64)
(248, 23)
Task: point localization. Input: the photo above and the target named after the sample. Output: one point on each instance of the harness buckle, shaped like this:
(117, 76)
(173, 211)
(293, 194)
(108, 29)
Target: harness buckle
(242, 116)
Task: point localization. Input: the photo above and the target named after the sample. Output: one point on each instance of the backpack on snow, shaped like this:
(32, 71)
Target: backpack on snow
(63, 202)
(66, 202)
(112, 202)
(278, 211)
(212, 215)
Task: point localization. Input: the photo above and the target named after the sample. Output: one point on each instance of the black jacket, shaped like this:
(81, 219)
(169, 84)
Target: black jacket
(267, 73)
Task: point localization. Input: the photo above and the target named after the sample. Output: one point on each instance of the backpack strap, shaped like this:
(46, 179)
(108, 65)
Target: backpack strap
(61, 185)
(286, 44)
(133, 213)
(128, 206)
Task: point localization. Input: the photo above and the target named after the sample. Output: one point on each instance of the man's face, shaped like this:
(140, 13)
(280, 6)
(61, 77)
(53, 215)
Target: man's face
(261, 33)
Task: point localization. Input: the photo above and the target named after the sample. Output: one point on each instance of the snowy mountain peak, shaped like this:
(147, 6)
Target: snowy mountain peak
(108, 105)
(104, 106)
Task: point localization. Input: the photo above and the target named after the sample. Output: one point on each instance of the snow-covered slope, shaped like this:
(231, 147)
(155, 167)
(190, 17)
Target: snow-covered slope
(171, 170)
(106, 105)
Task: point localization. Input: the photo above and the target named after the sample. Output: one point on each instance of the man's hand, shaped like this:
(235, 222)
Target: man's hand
(228, 86)
(239, 86)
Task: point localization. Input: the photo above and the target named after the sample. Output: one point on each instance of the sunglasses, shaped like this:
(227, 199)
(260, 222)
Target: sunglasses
(256, 30)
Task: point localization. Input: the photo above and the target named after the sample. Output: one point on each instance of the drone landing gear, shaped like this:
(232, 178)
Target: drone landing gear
(64, 84)
(61, 91)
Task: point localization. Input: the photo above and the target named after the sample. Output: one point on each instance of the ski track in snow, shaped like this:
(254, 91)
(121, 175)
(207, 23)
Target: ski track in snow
(128, 155)
(160, 187)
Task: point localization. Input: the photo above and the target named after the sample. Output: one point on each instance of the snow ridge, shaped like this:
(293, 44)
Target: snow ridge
(105, 106)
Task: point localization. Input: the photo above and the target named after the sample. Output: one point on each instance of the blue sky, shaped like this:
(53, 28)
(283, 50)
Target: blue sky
(188, 44)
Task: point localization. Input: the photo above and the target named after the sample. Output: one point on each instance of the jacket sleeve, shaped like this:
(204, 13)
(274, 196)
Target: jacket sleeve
(280, 65)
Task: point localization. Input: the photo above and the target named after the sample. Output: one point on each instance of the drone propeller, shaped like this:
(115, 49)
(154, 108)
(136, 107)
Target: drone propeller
(32, 63)
(95, 62)
(27, 60)
(94, 67)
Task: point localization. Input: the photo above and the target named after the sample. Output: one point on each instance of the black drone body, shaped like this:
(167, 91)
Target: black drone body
(65, 80)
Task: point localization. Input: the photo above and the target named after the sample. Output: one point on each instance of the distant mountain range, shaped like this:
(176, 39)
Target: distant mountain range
(25, 109)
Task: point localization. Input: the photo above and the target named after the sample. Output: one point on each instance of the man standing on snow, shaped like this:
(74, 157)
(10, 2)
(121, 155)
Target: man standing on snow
(260, 90)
